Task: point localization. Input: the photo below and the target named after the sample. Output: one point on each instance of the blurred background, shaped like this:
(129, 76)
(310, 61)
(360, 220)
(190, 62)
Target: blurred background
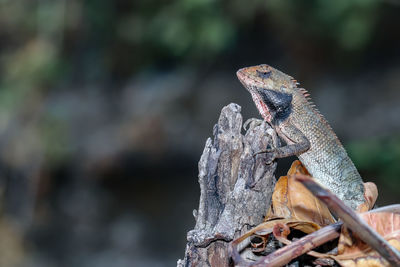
(106, 105)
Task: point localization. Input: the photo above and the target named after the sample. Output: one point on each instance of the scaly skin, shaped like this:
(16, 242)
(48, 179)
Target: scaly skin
(306, 132)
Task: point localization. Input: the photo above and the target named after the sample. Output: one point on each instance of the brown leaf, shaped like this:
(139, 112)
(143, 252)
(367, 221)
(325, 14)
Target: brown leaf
(289, 207)
(370, 195)
(354, 252)
(266, 228)
(293, 207)
(293, 200)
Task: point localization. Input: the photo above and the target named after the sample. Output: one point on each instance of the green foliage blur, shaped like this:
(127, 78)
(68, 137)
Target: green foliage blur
(49, 44)
(43, 41)
(349, 25)
(378, 157)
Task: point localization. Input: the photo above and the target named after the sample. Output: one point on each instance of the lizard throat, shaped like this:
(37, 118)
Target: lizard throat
(262, 107)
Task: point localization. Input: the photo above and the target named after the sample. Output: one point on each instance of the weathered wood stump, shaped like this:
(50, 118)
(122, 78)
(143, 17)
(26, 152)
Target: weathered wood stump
(235, 186)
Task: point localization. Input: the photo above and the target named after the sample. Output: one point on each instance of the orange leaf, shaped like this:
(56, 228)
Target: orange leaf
(291, 199)
(354, 252)
(370, 195)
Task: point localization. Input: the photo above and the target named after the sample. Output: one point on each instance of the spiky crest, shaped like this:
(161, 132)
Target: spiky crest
(311, 104)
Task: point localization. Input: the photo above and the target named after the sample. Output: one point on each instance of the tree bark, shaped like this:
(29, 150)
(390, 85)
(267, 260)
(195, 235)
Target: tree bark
(235, 186)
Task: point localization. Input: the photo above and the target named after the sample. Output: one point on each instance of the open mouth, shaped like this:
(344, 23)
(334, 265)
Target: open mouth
(262, 107)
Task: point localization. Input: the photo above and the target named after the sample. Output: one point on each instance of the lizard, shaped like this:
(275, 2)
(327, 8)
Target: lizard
(292, 114)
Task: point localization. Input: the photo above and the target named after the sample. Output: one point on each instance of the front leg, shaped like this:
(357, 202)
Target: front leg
(297, 142)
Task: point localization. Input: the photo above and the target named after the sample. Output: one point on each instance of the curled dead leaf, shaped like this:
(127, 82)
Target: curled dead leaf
(354, 252)
(291, 199)
(293, 207)
(370, 195)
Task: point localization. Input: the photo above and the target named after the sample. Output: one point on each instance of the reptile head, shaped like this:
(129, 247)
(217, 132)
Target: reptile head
(271, 89)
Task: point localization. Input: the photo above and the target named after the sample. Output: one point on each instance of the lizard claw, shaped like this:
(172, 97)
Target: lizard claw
(249, 123)
(269, 155)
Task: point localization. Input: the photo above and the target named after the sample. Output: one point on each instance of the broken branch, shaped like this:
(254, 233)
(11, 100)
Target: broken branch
(352, 220)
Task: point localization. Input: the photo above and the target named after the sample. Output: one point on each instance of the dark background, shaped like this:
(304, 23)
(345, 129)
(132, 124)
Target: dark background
(106, 106)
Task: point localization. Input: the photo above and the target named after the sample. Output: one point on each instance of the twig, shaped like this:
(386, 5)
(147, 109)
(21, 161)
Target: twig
(352, 220)
(284, 255)
(296, 248)
(395, 208)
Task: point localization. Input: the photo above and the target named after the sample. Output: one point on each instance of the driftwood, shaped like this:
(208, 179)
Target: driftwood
(235, 185)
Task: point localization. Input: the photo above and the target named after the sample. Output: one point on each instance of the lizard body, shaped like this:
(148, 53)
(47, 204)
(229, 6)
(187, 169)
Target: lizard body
(307, 134)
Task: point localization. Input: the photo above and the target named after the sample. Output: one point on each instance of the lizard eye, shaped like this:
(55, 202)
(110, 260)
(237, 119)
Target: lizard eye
(264, 74)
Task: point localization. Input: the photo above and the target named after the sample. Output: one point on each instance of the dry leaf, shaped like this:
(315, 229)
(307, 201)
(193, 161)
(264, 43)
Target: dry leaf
(266, 228)
(370, 195)
(295, 207)
(292, 206)
(291, 199)
(354, 252)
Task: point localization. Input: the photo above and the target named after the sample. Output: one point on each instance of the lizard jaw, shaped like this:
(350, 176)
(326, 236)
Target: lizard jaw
(262, 107)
